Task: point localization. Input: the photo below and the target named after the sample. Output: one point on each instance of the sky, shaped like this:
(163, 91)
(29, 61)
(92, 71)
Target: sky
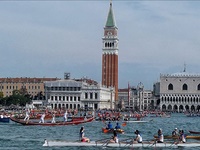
(47, 38)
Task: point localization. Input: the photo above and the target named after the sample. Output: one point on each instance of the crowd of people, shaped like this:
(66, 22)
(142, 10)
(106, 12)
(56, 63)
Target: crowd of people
(42, 118)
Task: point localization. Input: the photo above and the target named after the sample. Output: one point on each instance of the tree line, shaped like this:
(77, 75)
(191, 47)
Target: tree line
(18, 97)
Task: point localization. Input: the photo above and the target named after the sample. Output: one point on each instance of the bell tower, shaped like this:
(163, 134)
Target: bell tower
(110, 53)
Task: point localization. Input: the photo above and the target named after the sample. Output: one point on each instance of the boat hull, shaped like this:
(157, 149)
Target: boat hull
(20, 121)
(176, 137)
(194, 132)
(57, 143)
(5, 119)
(104, 130)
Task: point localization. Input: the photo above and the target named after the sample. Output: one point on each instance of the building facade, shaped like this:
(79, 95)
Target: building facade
(110, 53)
(180, 92)
(78, 94)
(136, 98)
(32, 86)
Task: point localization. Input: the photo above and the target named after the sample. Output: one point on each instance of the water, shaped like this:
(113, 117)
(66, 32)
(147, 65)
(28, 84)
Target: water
(16, 137)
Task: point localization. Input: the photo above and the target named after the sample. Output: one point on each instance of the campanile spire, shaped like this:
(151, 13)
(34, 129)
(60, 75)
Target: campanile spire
(110, 53)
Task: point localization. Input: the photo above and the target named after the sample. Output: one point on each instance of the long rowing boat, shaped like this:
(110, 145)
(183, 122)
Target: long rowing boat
(194, 132)
(176, 137)
(48, 123)
(61, 143)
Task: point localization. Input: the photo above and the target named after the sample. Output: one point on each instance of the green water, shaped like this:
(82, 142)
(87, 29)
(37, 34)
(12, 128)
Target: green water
(16, 137)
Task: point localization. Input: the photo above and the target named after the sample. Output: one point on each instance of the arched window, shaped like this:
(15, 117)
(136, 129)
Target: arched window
(106, 44)
(185, 87)
(198, 87)
(170, 87)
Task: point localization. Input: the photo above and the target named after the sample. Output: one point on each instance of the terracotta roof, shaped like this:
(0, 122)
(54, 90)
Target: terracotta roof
(26, 80)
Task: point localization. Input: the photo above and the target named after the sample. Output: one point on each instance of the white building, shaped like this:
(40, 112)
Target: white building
(180, 92)
(78, 93)
(137, 98)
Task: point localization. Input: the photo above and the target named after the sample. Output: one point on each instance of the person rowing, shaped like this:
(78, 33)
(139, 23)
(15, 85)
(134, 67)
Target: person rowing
(175, 132)
(114, 137)
(53, 118)
(65, 116)
(109, 126)
(182, 138)
(138, 138)
(42, 118)
(27, 115)
(117, 126)
(82, 135)
(160, 138)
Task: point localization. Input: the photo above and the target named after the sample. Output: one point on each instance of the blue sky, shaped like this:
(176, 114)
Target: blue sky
(48, 38)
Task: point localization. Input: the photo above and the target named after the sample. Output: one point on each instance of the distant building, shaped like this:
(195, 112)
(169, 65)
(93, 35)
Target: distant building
(78, 94)
(136, 98)
(180, 92)
(32, 86)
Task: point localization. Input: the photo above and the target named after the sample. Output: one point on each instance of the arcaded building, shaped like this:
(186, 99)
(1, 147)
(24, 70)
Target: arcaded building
(180, 92)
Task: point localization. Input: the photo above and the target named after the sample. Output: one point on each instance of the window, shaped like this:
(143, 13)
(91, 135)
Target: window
(185, 87)
(63, 98)
(86, 95)
(96, 96)
(91, 95)
(51, 97)
(170, 87)
(198, 87)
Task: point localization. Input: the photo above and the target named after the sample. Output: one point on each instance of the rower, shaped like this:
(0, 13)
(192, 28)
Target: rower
(114, 137)
(138, 138)
(175, 132)
(117, 126)
(82, 135)
(109, 126)
(160, 137)
(53, 118)
(182, 138)
(27, 115)
(42, 118)
(65, 116)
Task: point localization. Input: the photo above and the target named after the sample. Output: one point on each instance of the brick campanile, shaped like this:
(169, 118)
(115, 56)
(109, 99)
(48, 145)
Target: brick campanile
(110, 53)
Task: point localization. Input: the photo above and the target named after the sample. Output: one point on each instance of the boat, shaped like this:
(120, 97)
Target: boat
(104, 130)
(194, 132)
(48, 123)
(176, 137)
(137, 121)
(63, 143)
(5, 119)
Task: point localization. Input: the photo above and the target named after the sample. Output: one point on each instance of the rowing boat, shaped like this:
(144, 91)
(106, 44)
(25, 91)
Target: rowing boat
(61, 143)
(176, 137)
(5, 119)
(137, 121)
(194, 132)
(104, 130)
(48, 123)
